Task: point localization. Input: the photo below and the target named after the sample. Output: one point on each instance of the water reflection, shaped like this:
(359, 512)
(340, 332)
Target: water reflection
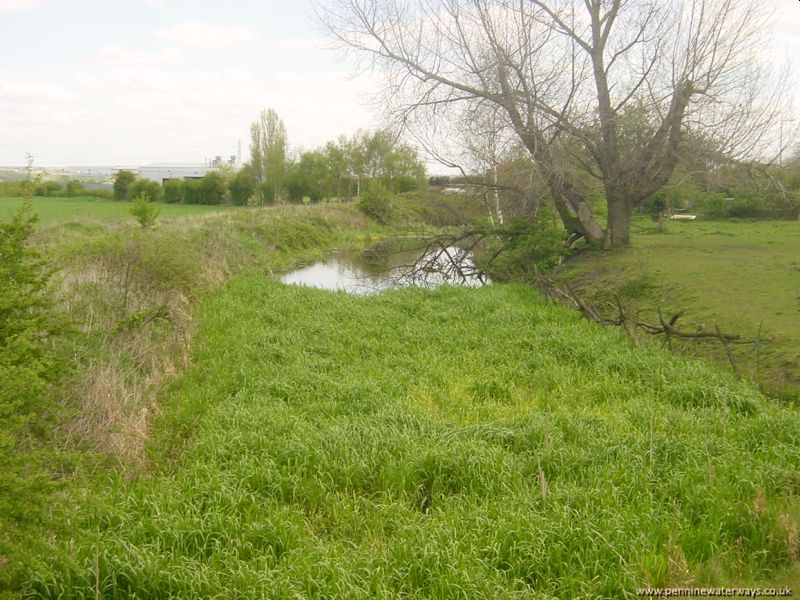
(357, 274)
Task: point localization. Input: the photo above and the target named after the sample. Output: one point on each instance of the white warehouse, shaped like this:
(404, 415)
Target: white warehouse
(161, 171)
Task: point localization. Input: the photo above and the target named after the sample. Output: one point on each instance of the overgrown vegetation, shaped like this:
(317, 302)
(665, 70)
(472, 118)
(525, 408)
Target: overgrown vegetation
(129, 296)
(30, 365)
(481, 443)
(458, 443)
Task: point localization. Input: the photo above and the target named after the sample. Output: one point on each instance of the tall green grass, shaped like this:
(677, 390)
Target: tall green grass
(459, 443)
(128, 297)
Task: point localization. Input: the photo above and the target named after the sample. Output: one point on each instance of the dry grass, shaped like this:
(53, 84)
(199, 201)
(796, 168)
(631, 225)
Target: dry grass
(130, 292)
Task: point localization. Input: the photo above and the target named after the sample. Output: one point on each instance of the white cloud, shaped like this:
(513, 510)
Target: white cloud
(13, 6)
(788, 22)
(116, 55)
(34, 91)
(301, 44)
(159, 4)
(198, 34)
(138, 114)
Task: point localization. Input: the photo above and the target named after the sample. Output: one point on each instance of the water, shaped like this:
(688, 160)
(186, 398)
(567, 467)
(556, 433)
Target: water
(357, 274)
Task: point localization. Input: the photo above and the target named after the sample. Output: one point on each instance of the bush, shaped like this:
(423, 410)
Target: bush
(144, 211)
(191, 191)
(47, 189)
(145, 187)
(713, 206)
(122, 183)
(376, 203)
(173, 191)
(527, 247)
(74, 188)
(655, 206)
(241, 186)
(27, 322)
(212, 189)
(743, 208)
(748, 206)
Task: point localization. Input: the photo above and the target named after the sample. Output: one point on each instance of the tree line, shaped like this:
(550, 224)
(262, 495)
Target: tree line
(47, 188)
(340, 170)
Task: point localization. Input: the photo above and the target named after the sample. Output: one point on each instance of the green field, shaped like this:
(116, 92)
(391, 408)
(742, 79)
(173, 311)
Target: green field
(52, 210)
(742, 276)
(224, 435)
(458, 443)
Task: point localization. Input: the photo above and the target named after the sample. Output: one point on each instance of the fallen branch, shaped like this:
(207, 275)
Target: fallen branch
(566, 294)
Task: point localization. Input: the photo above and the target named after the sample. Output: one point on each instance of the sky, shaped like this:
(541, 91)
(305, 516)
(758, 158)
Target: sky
(131, 82)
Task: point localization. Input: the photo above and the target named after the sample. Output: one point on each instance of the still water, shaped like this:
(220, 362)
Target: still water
(358, 273)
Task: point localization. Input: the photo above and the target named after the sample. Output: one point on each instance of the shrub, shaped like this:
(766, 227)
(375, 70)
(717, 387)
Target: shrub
(144, 211)
(74, 188)
(145, 187)
(27, 322)
(713, 206)
(122, 183)
(376, 203)
(744, 208)
(527, 247)
(191, 191)
(173, 191)
(241, 186)
(655, 206)
(212, 189)
(47, 189)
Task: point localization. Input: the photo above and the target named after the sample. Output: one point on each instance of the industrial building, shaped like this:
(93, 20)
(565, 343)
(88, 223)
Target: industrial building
(162, 171)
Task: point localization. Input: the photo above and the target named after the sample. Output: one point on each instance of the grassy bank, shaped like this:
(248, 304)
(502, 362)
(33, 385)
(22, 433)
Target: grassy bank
(742, 276)
(457, 443)
(131, 294)
(128, 296)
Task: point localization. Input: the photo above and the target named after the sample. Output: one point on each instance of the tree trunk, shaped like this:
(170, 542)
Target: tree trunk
(619, 222)
(578, 220)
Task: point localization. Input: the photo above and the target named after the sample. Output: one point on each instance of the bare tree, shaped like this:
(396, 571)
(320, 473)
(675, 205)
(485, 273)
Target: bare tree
(606, 88)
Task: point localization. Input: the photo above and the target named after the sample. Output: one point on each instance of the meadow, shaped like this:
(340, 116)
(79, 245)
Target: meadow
(224, 435)
(51, 210)
(741, 276)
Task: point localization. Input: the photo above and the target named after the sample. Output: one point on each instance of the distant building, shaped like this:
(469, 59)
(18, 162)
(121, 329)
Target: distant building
(161, 171)
(448, 191)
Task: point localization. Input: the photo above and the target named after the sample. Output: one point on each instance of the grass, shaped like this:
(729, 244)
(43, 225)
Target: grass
(460, 443)
(224, 435)
(742, 276)
(51, 210)
(131, 291)
(129, 295)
